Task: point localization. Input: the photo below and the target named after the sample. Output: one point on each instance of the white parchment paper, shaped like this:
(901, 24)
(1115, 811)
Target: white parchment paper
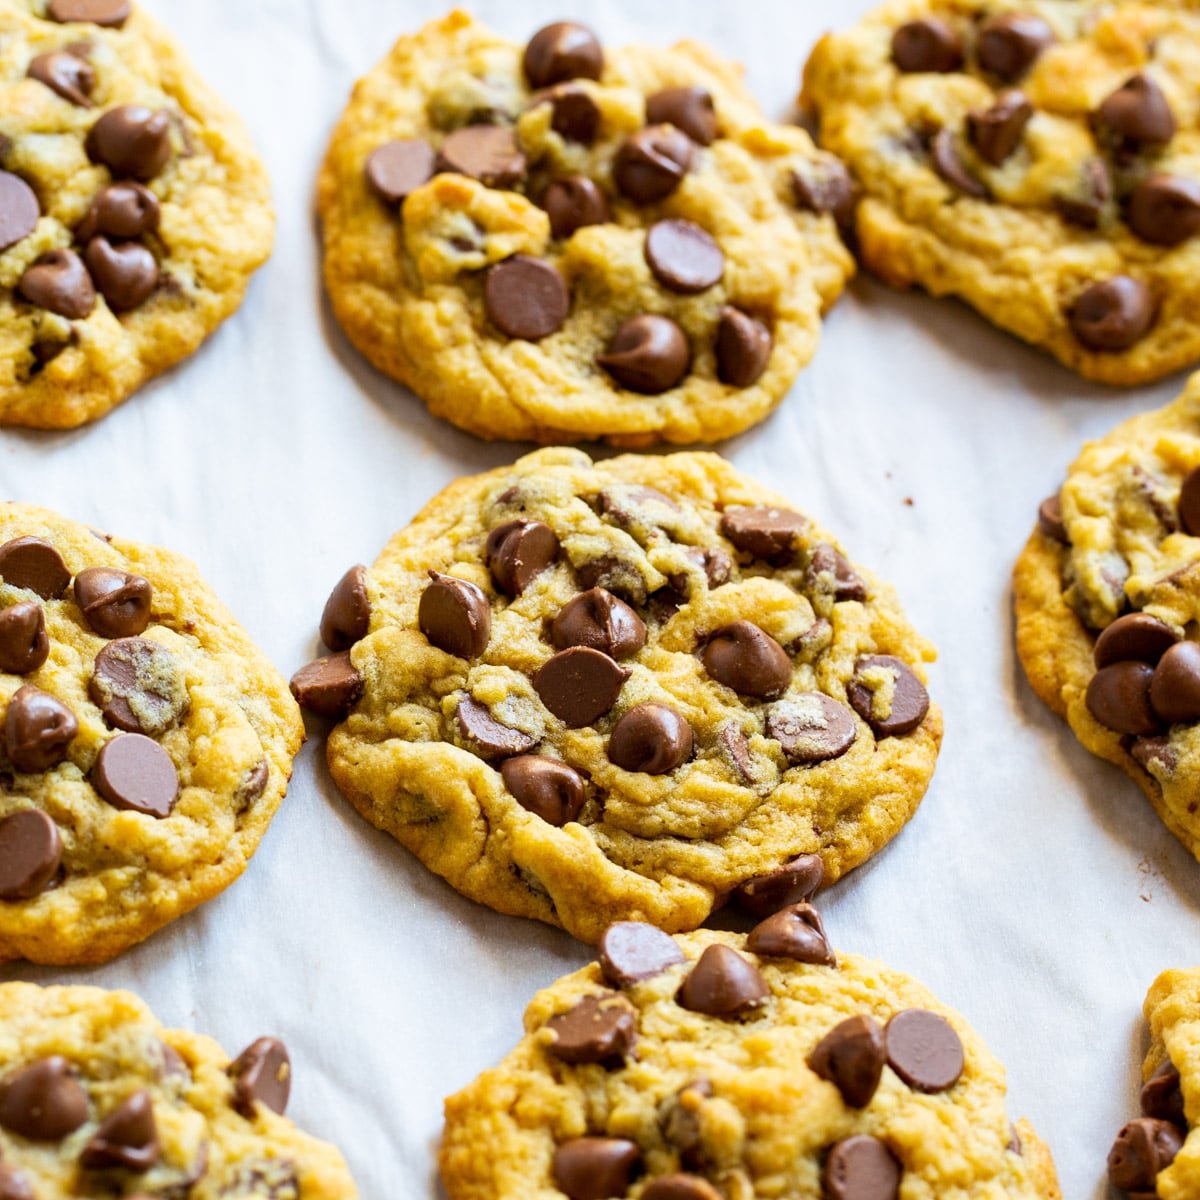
(1035, 891)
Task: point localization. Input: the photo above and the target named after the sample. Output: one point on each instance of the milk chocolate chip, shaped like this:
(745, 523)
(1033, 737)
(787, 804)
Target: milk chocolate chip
(121, 210)
(1010, 43)
(111, 14)
(561, 51)
(65, 74)
(518, 552)
(1135, 636)
(19, 209)
(30, 853)
(139, 687)
(745, 658)
(546, 787)
(38, 728)
(683, 257)
(1189, 503)
(1137, 113)
(1143, 1149)
(851, 1056)
(743, 348)
(722, 984)
(59, 283)
(861, 1168)
(573, 203)
(1162, 1096)
(1165, 209)
(24, 645)
(579, 685)
(125, 273)
(488, 736)
(328, 686)
(455, 616)
(595, 1168)
(651, 163)
(601, 621)
(135, 773)
(261, 1074)
(765, 532)
(574, 115)
(525, 297)
(1113, 314)
(396, 169)
(924, 1050)
(599, 1029)
(648, 354)
(793, 883)
(652, 739)
(828, 573)
(1175, 684)
(43, 1101)
(1118, 696)
(688, 108)
(951, 168)
(126, 1139)
(1050, 519)
(631, 951)
(29, 562)
(887, 694)
(488, 153)
(131, 141)
(928, 44)
(796, 932)
(823, 185)
(114, 603)
(680, 1187)
(997, 131)
(347, 614)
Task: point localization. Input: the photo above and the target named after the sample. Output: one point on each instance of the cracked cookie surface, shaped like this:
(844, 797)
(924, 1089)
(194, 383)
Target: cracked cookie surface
(518, 292)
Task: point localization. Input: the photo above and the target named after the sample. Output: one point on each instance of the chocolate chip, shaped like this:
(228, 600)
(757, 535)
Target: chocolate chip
(526, 297)
(1162, 1096)
(950, 167)
(1137, 113)
(648, 354)
(347, 614)
(126, 1139)
(743, 348)
(253, 784)
(722, 984)
(599, 620)
(109, 13)
(488, 153)
(795, 932)
(652, 739)
(680, 1187)
(679, 1120)
(1143, 1149)
(455, 616)
(65, 74)
(573, 203)
(924, 1050)
(1050, 519)
(121, 210)
(1085, 205)
(688, 108)
(562, 51)
(851, 1056)
(1010, 43)
(595, 1168)
(889, 715)
(59, 283)
(683, 257)
(765, 532)
(651, 163)
(546, 787)
(19, 209)
(574, 116)
(43, 1101)
(599, 1029)
(14, 1184)
(631, 951)
(131, 141)
(823, 185)
(30, 563)
(125, 274)
(30, 853)
(490, 739)
(828, 573)
(38, 728)
(135, 773)
(1157, 752)
(1189, 503)
(139, 687)
(1175, 685)
(1118, 697)
(114, 603)
(1165, 209)
(745, 658)
(1113, 314)
(396, 169)
(261, 1074)
(579, 685)
(24, 645)
(927, 45)
(518, 552)
(861, 1168)
(795, 882)
(1134, 636)
(997, 131)
(328, 686)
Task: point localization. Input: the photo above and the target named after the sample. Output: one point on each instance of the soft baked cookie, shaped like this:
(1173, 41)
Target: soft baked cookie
(133, 209)
(98, 1099)
(720, 1067)
(559, 241)
(590, 691)
(1039, 159)
(146, 742)
(1106, 594)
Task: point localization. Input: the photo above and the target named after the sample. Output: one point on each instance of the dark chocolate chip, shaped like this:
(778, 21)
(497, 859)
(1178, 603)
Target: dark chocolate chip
(652, 739)
(1010, 43)
(1137, 113)
(1165, 209)
(121, 210)
(127, 1138)
(546, 787)
(745, 658)
(1113, 314)
(599, 1029)
(561, 51)
(59, 283)
(125, 274)
(30, 853)
(138, 685)
(488, 736)
(765, 532)
(1118, 697)
(65, 74)
(43, 1101)
(828, 573)
(1175, 685)
(24, 645)
(488, 153)
(131, 141)
(1084, 206)
(796, 932)
(795, 882)
(114, 603)
(38, 728)
(851, 1056)
(347, 614)
(631, 951)
(997, 131)
(723, 984)
(574, 115)
(1134, 636)
(683, 257)
(924, 1050)
(396, 169)
(1162, 1096)
(861, 1168)
(111, 14)
(518, 552)
(134, 772)
(455, 616)
(688, 108)
(29, 562)
(823, 185)
(1050, 519)
(601, 621)
(526, 297)
(951, 168)
(579, 685)
(328, 686)
(928, 44)
(1189, 503)
(648, 354)
(573, 203)
(743, 348)
(867, 692)
(19, 209)
(261, 1074)
(651, 163)
(595, 1168)
(1143, 1149)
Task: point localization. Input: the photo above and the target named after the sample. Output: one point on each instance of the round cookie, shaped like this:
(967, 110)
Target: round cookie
(1037, 159)
(714, 1066)
(1105, 590)
(98, 1099)
(133, 209)
(584, 692)
(564, 242)
(146, 742)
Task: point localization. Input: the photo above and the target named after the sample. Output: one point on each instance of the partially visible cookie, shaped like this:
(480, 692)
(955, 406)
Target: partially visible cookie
(585, 692)
(133, 210)
(145, 742)
(98, 1099)
(1039, 160)
(562, 241)
(719, 1067)
(1106, 594)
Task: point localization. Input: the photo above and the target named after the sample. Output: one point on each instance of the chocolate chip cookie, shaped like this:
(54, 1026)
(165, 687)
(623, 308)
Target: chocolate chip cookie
(1105, 593)
(146, 741)
(1155, 1155)
(584, 692)
(98, 1099)
(1037, 160)
(562, 241)
(719, 1067)
(133, 210)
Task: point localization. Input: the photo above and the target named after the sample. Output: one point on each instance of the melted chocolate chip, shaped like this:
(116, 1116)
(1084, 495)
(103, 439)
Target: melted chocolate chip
(574, 116)
(1084, 206)
(579, 685)
(38, 729)
(135, 773)
(745, 658)
(328, 686)
(518, 552)
(65, 74)
(127, 1138)
(488, 153)
(796, 932)
(546, 787)
(601, 621)
(24, 645)
(30, 854)
(59, 283)
(851, 1056)
(1118, 697)
(1134, 636)
(561, 51)
(795, 882)
(722, 984)
(121, 210)
(573, 203)
(888, 716)
(997, 131)
(30, 563)
(490, 739)
(138, 686)
(594, 1168)
(828, 573)
(125, 274)
(1175, 684)
(1144, 1148)
(396, 169)
(111, 14)
(648, 354)
(743, 348)
(924, 1050)
(683, 257)
(599, 1029)
(261, 1074)
(43, 1101)
(455, 616)
(1113, 314)
(928, 44)
(347, 614)
(115, 604)
(950, 167)
(131, 141)
(1137, 114)
(861, 1168)
(688, 108)
(19, 209)
(1010, 43)
(1165, 209)
(631, 951)
(765, 532)
(651, 163)
(652, 739)
(526, 298)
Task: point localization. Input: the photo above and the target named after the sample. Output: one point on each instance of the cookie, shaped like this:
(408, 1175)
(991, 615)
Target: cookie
(133, 210)
(716, 1065)
(1105, 593)
(585, 692)
(98, 1099)
(562, 241)
(1037, 160)
(146, 741)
